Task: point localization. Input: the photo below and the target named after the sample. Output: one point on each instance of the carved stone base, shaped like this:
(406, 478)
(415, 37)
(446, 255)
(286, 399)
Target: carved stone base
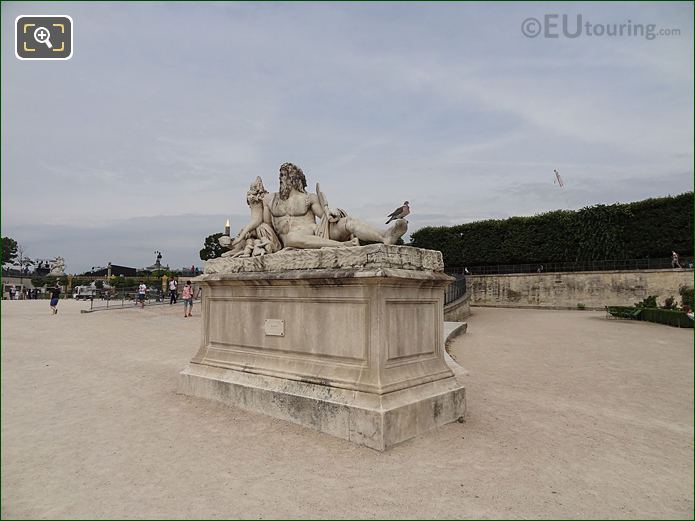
(376, 421)
(370, 257)
(356, 352)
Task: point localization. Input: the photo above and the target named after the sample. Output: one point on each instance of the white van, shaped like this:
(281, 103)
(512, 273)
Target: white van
(84, 292)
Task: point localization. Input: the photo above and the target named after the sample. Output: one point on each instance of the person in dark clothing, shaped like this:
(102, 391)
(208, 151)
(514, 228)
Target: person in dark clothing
(55, 295)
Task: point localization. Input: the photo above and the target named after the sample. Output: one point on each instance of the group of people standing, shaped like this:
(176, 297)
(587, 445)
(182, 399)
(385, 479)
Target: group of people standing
(187, 296)
(173, 295)
(33, 294)
(26, 293)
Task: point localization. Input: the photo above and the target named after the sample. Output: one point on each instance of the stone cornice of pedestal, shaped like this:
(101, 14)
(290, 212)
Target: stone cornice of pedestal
(374, 260)
(328, 275)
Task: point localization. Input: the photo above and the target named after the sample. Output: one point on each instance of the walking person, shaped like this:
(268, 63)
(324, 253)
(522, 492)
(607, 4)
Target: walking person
(675, 261)
(142, 290)
(188, 300)
(173, 291)
(13, 292)
(55, 295)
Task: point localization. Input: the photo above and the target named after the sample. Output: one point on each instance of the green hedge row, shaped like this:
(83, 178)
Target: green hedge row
(644, 229)
(625, 312)
(669, 317)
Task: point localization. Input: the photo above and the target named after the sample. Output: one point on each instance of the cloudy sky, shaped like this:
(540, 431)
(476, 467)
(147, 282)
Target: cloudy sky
(148, 138)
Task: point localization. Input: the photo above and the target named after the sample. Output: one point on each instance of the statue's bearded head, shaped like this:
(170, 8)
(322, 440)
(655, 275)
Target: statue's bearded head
(291, 176)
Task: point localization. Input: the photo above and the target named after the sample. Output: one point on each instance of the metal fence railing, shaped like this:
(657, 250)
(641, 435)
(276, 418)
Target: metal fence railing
(553, 267)
(455, 290)
(124, 298)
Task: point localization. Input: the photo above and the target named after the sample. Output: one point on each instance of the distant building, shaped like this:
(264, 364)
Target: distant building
(157, 265)
(116, 270)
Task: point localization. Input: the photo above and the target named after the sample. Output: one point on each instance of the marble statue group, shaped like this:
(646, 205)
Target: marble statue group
(303, 323)
(288, 219)
(57, 267)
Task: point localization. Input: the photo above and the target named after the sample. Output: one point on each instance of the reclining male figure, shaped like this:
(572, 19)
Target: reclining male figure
(292, 213)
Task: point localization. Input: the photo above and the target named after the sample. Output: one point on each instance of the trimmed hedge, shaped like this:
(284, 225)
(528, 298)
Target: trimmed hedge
(644, 229)
(625, 312)
(670, 317)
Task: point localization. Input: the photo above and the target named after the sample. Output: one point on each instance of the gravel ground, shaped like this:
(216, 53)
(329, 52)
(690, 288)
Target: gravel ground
(569, 415)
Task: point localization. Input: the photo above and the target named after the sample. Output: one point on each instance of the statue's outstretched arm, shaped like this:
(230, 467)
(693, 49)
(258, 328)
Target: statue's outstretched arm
(319, 205)
(316, 206)
(256, 220)
(243, 233)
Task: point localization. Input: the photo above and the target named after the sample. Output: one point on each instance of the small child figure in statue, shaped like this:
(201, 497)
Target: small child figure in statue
(247, 251)
(259, 247)
(253, 248)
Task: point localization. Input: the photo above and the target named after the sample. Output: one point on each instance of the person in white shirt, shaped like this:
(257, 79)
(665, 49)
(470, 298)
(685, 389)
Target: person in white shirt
(142, 289)
(173, 291)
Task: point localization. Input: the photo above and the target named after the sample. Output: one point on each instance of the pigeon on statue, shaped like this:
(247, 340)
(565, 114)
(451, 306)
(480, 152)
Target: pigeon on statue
(400, 212)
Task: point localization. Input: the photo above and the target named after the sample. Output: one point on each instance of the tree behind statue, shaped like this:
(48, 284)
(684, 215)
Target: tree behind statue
(211, 248)
(9, 250)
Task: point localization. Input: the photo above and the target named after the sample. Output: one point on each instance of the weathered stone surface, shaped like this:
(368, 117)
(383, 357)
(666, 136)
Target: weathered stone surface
(357, 353)
(373, 333)
(374, 256)
(375, 421)
(459, 309)
(593, 289)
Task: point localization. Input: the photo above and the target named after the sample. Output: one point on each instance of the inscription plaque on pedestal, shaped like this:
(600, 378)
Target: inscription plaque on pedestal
(274, 327)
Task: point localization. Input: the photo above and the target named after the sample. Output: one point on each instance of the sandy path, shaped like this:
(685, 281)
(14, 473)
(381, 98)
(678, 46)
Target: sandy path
(569, 415)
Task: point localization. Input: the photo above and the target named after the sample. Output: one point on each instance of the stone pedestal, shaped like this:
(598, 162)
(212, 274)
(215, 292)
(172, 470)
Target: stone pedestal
(348, 341)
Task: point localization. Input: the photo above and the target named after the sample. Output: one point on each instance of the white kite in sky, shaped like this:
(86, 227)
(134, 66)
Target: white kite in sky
(558, 179)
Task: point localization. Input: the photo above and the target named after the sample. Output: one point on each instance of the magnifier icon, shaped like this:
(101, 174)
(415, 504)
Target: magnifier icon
(43, 35)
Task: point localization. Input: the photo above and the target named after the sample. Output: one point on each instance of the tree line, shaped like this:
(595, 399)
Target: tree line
(651, 228)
